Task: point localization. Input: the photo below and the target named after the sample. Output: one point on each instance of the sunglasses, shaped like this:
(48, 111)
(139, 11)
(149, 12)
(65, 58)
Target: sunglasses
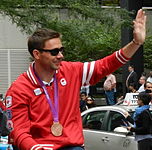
(53, 52)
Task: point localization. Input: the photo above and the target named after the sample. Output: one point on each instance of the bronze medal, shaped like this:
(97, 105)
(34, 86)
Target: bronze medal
(56, 129)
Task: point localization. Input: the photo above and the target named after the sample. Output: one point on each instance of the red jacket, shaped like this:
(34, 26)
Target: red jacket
(30, 115)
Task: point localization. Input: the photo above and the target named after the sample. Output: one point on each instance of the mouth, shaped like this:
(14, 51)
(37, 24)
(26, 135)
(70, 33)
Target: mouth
(58, 63)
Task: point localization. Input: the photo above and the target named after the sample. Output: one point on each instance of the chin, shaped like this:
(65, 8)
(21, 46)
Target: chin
(57, 67)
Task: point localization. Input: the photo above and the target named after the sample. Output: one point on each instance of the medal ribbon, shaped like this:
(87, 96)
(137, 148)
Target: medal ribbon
(54, 109)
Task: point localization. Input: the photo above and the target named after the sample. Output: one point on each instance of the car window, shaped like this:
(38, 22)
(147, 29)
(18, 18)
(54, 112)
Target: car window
(94, 120)
(116, 119)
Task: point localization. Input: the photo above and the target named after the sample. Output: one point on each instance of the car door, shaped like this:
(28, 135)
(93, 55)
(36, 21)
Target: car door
(113, 140)
(99, 132)
(93, 125)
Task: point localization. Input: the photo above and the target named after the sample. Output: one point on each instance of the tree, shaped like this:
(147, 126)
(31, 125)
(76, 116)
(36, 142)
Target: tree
(89, 31)
(147, 53)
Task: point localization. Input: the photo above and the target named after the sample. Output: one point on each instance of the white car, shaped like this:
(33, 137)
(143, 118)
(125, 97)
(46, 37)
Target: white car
(104, 128)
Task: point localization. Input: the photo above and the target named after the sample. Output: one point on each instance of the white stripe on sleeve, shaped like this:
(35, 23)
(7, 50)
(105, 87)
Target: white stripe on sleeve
(85, 68)
(92, 64)
(85, 79)
(119, 58)
(122, 56)
(44, 146)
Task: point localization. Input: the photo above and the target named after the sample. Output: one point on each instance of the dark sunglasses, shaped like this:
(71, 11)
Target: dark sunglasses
(53, 52)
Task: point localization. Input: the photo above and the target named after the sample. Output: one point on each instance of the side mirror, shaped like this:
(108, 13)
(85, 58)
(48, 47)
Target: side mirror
(121, 130)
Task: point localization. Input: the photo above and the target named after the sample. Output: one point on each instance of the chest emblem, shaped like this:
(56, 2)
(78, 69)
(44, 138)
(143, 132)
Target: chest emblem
(37, 91)
(8, 101)
(10, 125)
(9, 114)
(63, 82)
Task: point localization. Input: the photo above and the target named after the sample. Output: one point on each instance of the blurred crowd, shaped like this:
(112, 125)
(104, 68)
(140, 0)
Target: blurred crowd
(133, 85)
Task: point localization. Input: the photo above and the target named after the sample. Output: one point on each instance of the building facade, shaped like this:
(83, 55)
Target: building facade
(14, 57)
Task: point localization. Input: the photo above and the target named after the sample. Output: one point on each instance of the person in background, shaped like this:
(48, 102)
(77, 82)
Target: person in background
(132, 88)
(44, 101)
(132, 77)
(142, 120)
(2, 106)
(83, 101)
(149, 79)
(142, 81)
(90, 102)
(1, 97)
(148, 87)
(143, 74)
(85, 89)
(110, 89)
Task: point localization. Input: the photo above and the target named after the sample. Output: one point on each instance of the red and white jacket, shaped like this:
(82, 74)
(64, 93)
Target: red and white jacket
(29, 114)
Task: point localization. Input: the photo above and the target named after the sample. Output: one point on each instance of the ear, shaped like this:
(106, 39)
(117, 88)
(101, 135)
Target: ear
(36, 54)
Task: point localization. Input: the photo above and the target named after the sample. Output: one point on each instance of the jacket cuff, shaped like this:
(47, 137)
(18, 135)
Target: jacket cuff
(121, 57)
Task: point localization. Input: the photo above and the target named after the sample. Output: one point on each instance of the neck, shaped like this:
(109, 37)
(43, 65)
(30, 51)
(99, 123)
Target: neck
(43, 73)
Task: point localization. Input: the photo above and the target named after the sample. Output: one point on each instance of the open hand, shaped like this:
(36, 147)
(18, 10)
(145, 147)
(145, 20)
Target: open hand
(139, 32)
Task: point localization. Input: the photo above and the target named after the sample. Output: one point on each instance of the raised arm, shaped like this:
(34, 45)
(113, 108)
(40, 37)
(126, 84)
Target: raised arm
(139, 34)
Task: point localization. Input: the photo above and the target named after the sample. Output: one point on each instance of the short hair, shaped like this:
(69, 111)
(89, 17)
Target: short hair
(133, 85)
(39, 37)
(132, 66)
(85, 93)
(145, 85)
(144, 97)
(143, 78)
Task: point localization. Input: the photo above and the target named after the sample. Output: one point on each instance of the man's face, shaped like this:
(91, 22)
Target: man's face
(141, 80)
(83, 96)
(130, 69)
(139, 102)
(148, 86)
(89, 100)
(46, 59)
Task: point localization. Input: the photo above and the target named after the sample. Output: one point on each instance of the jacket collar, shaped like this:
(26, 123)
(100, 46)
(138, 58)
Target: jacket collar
(31, 74)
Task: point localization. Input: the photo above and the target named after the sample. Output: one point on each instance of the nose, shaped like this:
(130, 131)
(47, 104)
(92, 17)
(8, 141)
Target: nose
(60, 55)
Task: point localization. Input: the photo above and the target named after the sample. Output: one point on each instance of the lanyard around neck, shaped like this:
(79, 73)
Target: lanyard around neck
(53, 108)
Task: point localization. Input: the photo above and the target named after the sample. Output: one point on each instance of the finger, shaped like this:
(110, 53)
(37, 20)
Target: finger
(140, 18)
(145, 20)
(139, 14)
